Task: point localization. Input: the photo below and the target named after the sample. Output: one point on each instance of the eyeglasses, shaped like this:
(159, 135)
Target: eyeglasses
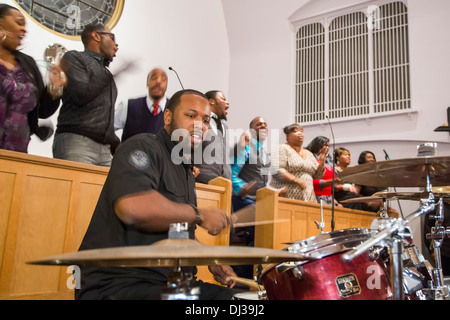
(111, 35)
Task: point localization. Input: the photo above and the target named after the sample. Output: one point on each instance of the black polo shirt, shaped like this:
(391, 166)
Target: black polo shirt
(141, 164)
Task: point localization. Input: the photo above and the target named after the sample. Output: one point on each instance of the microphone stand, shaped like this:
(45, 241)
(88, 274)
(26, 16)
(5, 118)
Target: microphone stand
(333, 179)
(172, 69)
(386, 157)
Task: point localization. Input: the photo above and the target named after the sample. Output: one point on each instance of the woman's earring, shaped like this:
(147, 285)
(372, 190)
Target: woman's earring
(2, 31)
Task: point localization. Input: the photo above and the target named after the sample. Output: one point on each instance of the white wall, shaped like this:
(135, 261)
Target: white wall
(262, 82)
(189, 36)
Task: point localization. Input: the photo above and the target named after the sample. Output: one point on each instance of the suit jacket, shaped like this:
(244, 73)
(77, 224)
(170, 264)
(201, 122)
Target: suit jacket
(214, 165)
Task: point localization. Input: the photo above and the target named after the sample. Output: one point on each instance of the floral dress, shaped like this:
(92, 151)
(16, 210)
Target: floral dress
(17, 99)
(306, 169)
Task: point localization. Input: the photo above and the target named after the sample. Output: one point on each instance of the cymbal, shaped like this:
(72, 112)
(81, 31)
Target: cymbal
(388, 196)
(171, 252)
(407, 173)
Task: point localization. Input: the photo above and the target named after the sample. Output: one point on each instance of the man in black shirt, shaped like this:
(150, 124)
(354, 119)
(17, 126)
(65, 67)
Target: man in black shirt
(144, 193)
(85, 130)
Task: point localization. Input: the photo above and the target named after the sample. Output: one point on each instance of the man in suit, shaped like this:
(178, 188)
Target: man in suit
(144, 114)
(215, 165)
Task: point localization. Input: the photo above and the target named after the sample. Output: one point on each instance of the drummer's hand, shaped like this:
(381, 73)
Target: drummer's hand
(214, 220)
(222, 274)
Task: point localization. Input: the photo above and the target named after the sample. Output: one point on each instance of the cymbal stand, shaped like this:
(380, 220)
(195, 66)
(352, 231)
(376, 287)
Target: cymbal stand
(438, 290)
(392, 233)
(320, 225)
(179, 283)
(384, 212)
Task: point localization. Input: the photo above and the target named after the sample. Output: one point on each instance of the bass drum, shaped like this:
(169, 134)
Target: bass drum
(329, 277)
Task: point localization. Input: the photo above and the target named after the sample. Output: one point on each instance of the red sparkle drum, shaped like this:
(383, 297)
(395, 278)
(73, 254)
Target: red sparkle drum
(329, 277)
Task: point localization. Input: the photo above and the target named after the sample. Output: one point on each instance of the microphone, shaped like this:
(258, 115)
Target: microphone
(172, 69)
(386, 156)
(334, 173)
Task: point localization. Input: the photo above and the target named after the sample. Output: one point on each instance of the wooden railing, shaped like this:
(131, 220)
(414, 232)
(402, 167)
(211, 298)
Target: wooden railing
(294, 219)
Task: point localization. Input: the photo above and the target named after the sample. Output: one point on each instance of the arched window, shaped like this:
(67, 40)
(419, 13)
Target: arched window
(353, 64)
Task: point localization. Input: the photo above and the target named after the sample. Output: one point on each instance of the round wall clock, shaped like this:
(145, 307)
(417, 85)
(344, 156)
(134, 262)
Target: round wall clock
(67, 18)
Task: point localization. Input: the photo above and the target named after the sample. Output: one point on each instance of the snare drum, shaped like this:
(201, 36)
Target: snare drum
(329, 277)
(251, 295)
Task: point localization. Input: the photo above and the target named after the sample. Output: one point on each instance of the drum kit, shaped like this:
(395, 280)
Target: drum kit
(380, 263)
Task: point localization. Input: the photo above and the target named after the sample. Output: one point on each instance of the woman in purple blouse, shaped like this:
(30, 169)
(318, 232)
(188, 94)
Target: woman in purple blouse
(23, 95)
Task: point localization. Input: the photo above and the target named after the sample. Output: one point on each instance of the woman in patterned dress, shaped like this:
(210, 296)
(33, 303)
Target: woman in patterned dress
(23, 95)
(297, 167)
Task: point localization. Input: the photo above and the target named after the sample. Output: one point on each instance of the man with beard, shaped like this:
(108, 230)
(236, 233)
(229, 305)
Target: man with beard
(144, 114)
(85, 130)
(145, 192)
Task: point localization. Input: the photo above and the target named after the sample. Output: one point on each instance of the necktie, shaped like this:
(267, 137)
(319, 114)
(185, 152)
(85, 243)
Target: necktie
(219, 124)
(155, 109)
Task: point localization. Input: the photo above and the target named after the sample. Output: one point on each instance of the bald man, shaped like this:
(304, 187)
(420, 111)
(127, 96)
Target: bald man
(144, 114)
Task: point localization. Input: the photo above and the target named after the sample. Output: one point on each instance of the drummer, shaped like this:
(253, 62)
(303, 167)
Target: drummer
(144, 193)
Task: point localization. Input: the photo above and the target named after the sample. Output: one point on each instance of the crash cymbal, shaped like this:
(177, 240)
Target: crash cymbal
(388, 196)
(171, 252)
(407, 173)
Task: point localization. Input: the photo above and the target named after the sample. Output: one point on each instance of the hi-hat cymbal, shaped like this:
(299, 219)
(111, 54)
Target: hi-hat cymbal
(389, 196)
(171, 252)
(407, 173)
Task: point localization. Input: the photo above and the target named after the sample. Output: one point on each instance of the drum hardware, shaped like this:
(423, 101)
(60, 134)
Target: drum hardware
(258, 271)
(393, 234)
(180, 285)
(417, 272)
(413, 281)
(415, 260)
(328, 277)
(320, 225)
(438, 289)
(296, 268)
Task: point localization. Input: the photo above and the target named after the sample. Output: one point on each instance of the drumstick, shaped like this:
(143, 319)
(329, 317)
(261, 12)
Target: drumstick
(251, 224)
(247, 282)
